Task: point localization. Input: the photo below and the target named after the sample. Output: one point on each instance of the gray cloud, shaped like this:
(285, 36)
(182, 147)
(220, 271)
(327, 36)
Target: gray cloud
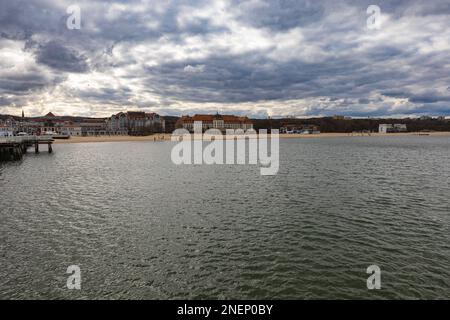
(60, 57)
(259, 57)
(280, 15)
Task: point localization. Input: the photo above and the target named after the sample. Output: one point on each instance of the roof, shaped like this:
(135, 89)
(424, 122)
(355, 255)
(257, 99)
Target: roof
(211, 118)
(203, 117)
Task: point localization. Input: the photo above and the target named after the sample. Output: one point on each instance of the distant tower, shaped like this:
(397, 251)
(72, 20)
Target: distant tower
(21, 121)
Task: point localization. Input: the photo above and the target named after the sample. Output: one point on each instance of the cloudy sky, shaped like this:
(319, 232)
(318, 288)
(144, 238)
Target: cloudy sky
(254, 57)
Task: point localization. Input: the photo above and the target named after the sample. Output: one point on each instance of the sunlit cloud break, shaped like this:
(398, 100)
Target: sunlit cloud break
(256, 58)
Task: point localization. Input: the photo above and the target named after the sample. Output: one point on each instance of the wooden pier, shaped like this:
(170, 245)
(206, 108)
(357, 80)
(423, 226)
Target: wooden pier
(13, 148)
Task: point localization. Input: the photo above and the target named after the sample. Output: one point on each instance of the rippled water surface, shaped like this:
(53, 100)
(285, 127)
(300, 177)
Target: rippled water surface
(141, 227)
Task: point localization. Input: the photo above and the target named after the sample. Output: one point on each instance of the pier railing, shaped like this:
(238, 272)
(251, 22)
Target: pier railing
(26, 139)
(13, 148)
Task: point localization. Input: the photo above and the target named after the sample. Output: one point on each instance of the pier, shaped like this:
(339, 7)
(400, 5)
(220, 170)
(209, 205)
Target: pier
(13, 148)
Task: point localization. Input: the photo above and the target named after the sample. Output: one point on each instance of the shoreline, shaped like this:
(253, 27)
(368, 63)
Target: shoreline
(167, 136)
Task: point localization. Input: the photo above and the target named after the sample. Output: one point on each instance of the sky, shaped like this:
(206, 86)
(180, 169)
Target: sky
(259, 58)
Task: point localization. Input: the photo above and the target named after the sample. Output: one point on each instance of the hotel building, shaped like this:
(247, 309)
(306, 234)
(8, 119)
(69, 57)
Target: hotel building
(134, 123)
(221, 122)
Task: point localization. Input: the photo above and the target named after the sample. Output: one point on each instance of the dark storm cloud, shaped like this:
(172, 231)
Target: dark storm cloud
(427, 97)
(247, 78)
(317, 54)
(279, 15)
(19, 83)
(118, 96)
(5, 101)
(60, 57)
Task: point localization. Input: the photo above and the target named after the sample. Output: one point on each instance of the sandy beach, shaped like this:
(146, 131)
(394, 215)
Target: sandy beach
(166, 137)
(153, 138)
(338, 134)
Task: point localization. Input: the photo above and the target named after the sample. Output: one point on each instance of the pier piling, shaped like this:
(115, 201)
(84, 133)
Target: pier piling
(13, 148)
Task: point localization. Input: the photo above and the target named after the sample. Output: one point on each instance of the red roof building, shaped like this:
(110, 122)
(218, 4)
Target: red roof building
(217, 121)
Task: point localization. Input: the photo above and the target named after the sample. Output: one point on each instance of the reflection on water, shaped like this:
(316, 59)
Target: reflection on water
(141, 227)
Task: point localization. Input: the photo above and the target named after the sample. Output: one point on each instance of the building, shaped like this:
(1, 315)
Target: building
(43, 124)
(92, 127)
(302, 129)
(64, 125)
(117, 124)
(134, 123)
(71, 129)
(392, 128)
(8, 127)
(217, 121)
(6, 130)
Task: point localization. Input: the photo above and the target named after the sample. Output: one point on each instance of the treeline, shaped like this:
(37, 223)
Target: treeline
(329, 124)
(170, 122)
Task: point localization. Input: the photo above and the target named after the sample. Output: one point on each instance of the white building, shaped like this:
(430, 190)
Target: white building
(134, 123)
(71, 130)
(6, 131)
(7, 128)
(392, 128)
(93, 127)
(117, 124)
